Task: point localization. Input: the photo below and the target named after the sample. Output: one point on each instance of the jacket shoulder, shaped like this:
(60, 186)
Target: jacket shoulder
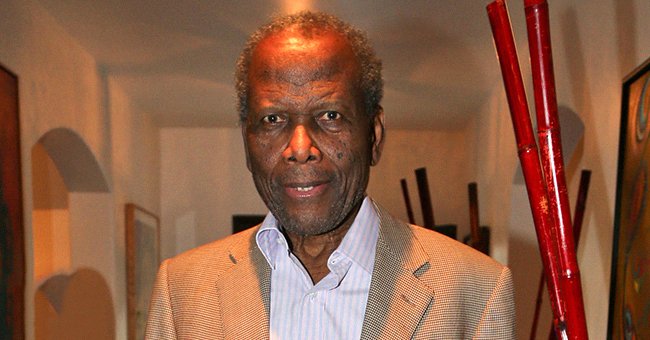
(212, 259)
(185, 302)
(443, 249)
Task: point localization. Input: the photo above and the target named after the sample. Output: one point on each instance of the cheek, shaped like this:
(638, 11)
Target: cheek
(351, 163)
(352, 152)
(260, 152)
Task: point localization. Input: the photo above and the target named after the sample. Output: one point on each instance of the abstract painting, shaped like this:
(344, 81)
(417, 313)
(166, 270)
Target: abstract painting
(629, 310)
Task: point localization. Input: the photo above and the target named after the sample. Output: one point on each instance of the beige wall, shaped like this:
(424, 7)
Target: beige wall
(60, 86)
(135, 162)
(204, 182)
(51, 214)
(596, 43)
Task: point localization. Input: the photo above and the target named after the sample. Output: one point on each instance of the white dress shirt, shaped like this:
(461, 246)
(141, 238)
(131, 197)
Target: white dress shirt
(333, 308)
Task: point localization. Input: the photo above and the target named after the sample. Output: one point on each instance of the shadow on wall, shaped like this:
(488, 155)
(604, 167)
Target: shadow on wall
(74, 160)
(77, 306)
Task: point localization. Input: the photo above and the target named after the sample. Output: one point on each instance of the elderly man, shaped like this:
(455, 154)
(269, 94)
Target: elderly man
(327, 262)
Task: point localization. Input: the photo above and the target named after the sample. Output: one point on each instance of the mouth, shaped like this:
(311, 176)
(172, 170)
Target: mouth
(306, 190)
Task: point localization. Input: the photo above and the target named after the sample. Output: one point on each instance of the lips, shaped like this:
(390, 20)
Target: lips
(305, 190)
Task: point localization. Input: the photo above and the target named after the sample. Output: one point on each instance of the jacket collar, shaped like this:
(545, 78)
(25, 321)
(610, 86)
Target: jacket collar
(245, 290)
(397, 298)
(396, 302)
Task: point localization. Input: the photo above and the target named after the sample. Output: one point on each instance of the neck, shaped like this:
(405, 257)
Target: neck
(313, 251)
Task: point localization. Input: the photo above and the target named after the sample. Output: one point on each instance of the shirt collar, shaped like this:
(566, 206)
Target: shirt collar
(358, 244)
(270, 240)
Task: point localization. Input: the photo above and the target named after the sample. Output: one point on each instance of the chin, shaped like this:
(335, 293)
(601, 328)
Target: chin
(307, 227)
(314, 219)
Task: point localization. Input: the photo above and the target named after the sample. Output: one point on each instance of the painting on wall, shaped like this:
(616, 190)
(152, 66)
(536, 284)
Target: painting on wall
(12, 253)
(142, 260)
(629, 309)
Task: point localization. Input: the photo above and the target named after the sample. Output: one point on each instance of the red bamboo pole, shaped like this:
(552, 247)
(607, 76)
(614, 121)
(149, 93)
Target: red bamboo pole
(581, 203)
(527, 149)
(548, 130)
(579, 211)
(407, 201)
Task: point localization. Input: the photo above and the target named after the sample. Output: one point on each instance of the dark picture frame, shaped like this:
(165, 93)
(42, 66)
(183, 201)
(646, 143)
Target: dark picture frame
(12, 245)
(629, 307)
(142, 260)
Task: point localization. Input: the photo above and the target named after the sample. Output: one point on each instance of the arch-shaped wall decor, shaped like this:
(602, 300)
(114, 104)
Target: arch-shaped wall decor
(76, 306)
(62, 163)
(74, 160)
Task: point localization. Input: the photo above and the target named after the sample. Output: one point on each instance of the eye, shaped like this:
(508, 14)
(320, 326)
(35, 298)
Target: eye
(273, 119)
(330, 116)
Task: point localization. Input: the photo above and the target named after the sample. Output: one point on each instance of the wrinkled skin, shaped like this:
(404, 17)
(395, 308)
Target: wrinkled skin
(309, 142)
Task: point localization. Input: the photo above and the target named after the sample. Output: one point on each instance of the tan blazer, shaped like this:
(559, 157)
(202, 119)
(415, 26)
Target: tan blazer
(424, 286)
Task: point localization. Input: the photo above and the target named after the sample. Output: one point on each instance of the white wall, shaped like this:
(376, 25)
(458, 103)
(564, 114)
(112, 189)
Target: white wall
(595, 44)
(60, 86)
(204, 182)
(135, 161)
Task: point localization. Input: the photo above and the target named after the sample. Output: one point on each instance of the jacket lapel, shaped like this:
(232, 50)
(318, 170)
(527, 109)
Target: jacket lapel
(244, 294)
(397, 299)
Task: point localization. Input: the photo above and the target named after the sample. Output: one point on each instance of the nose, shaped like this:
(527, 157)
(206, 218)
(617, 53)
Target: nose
(301, 148)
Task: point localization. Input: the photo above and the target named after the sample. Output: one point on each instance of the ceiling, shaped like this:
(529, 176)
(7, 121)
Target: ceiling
(175, 58)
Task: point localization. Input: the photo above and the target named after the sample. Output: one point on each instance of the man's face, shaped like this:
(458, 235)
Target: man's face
(309, 143)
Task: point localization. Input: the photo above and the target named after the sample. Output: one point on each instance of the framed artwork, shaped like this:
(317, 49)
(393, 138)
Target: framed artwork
(629, 307)
(12, 251)
(142, 260)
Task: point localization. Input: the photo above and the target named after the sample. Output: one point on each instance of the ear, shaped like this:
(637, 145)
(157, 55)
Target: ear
(377, 136)
(243, 133)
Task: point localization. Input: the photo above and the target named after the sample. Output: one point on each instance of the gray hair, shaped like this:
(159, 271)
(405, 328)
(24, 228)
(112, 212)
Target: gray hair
(371, 82)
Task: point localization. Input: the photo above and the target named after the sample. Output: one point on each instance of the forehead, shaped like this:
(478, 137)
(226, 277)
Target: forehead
(298, 56)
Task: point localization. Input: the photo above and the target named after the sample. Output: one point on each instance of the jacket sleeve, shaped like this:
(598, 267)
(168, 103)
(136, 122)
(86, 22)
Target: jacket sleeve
(160, 322)
(498, 319)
